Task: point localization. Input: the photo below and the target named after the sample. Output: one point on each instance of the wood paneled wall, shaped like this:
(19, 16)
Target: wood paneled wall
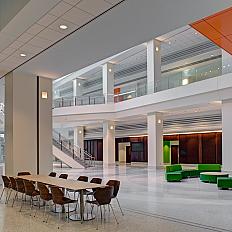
(193, 148)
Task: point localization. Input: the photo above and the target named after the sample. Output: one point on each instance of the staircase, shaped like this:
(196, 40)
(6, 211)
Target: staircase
(71, 155)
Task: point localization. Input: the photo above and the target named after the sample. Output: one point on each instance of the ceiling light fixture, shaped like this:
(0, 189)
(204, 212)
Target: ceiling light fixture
(63, 27)
(23, 55)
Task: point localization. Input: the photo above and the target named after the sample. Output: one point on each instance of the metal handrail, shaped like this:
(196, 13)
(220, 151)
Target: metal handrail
(73, 150)
(78, 101)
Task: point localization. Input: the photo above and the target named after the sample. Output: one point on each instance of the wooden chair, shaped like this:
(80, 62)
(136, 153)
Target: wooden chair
(6, 187)
(115, 184)
(103, 198)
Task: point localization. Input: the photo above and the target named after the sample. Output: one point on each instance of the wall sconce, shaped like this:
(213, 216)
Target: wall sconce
(111, 127)
(159, 121)
(156, 49)
(44, 95)
(80, 132)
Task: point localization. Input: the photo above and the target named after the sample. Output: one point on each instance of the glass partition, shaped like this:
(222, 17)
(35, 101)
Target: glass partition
(189, 74)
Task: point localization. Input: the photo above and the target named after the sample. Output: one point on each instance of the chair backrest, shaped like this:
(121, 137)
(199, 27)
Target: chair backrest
(103, 195)
(63, 176)
(20, 185)
(13, 183)
(96, 180)
(52, 174)
(43, 191)
(29, 187)
(23, 173)
(116, 185)
(83, 178)
(57, 195)
(6, 181)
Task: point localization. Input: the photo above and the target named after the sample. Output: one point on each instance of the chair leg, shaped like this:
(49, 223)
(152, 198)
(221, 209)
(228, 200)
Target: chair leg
(16, 195)
(120, 206)
(7, 194)
(7, 200)
(114, 214)
(97, 217)
(21, 203)
(2, 193)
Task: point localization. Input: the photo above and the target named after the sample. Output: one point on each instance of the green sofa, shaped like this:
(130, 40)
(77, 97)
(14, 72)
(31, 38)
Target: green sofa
(208, 168)
(224, 182)
(176, 173)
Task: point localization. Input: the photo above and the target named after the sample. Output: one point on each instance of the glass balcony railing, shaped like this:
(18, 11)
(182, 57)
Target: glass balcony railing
(188, 75)
(78, 101)
(129, 94)
(169, 79)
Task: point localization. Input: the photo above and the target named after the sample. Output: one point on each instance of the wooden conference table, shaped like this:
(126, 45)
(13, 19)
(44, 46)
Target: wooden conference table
(75, 185)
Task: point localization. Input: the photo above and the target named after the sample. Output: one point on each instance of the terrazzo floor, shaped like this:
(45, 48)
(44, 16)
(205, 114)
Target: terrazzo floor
(148, 201)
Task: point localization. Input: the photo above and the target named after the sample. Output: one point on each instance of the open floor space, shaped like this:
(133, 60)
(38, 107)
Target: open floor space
(148, 202)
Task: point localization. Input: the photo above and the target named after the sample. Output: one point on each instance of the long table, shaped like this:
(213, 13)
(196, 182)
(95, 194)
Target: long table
(75, 185)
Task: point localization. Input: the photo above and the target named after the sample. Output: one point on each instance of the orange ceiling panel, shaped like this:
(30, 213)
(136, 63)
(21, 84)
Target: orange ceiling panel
(217, 28)
(207, 30)
(222, 22)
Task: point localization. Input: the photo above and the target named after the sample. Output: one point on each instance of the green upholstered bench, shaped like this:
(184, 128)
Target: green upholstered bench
(208, 168)
(211, 177)
(224, 182)
(173, 176)
(177, 169)
(173, 172)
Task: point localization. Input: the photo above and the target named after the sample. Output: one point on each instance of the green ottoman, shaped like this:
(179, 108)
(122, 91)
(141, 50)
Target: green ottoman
(224, 182)
(211, 177)
(173, 176)
(190, 173)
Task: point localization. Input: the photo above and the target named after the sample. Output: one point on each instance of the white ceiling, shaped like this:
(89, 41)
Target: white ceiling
(45, 31)
(127, 25)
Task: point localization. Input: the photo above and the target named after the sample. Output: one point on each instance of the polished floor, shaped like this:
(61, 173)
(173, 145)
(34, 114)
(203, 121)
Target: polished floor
(149, 203)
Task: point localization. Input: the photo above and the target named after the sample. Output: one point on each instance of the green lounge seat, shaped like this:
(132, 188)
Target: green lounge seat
(173, 176)
(177, 168)
(224, 182)
(208, 168)
(211, 177)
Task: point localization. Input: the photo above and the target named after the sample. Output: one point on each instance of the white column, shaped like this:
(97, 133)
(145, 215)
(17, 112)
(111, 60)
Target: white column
(108, 143)
(77, 87)
(108, 82)
(155, 139)
(227, 135)
(79, 137)
(28, 124)
(153, 65)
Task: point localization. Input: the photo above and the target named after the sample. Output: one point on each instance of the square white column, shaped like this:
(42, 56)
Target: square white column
(79, 137)
(227, 135)
(108, 143)
(153, 65)
(108, 82)
(28, 124)
(155, 139)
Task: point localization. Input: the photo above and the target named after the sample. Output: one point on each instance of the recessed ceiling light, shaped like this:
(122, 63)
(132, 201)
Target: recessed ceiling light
(169, 42)
(196, 33)
(23, 54)
(212, 55)
(63, 27)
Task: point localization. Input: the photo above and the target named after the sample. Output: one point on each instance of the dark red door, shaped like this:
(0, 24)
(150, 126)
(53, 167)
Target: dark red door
(174, 154)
